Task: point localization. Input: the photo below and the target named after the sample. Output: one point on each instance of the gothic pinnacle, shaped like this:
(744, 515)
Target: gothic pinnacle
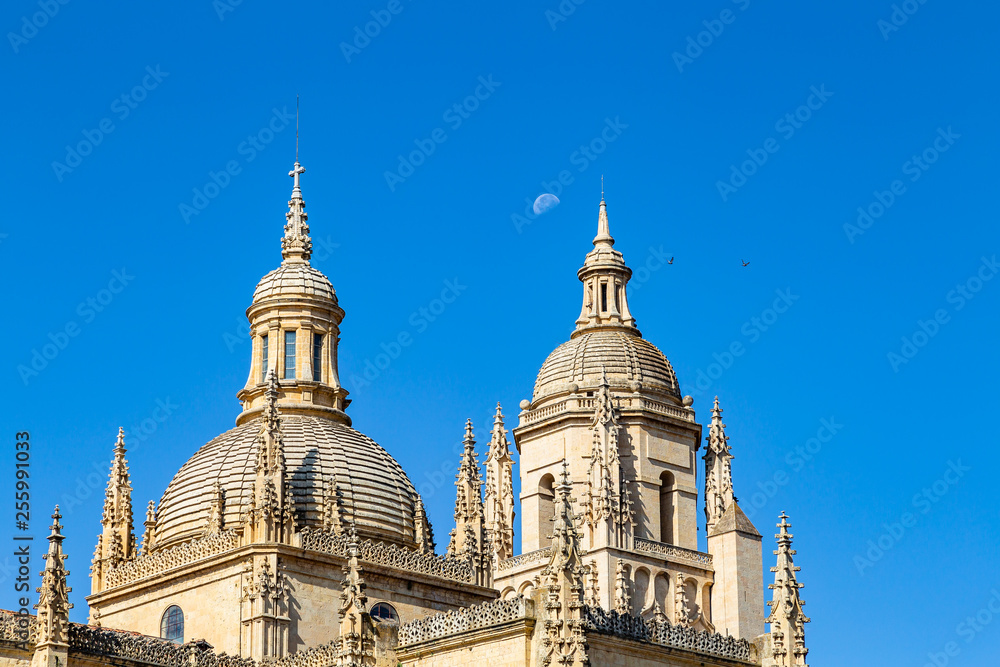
(53, 599)
(786, 619)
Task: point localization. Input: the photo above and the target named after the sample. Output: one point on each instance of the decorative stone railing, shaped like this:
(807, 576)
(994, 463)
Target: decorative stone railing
(144, 649)
(537, 556)
(666, 409)
(13, 630)
(545, 412)
(389, 555)
(485, 615)
(621, 402)
(673, 552)
(631, 627)
(323, 655)
(167, 559)
(133, 647)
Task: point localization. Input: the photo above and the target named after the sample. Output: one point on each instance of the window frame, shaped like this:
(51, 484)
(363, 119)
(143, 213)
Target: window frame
(168, 622)
(263, 358)
(395, 612)
(317, 358)
(289, 372)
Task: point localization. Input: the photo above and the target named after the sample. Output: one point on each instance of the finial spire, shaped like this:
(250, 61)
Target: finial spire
(603, 237)
(296, 246)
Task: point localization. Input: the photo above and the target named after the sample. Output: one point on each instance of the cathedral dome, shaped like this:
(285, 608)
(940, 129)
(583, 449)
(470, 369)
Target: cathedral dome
(606, 339)
(375, 492)
(627, 359)
(295, 280)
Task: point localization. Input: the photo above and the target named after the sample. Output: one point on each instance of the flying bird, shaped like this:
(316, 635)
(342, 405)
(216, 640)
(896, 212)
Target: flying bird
(671, 261)
(745, 263)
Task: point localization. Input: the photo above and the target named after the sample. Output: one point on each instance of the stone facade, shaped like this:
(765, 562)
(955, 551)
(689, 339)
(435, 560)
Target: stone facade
(295, 541)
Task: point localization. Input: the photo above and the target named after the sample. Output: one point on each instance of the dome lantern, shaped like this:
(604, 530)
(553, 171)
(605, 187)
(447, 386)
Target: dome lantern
(295, 328)
(604, 276)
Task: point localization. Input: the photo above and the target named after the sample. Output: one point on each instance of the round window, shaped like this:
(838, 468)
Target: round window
(383, 611)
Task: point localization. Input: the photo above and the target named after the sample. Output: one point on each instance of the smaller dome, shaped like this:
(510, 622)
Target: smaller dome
(625, 357)
(294, 279)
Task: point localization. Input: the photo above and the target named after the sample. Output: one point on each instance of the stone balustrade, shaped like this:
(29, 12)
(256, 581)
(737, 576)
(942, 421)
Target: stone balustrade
(674, 552)
(514, 562)
(449, 623)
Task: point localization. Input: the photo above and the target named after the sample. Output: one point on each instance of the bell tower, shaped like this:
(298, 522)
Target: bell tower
(607, 402)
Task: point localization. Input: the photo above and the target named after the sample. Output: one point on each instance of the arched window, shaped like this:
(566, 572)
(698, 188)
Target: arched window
(172, 625)
(263, 365)
(289, 355)
(546, 508)
(667, 508)
(383, 611)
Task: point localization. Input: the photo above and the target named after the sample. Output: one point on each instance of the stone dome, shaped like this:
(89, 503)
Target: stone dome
(375, 490)
(626, 357)
(294, 280)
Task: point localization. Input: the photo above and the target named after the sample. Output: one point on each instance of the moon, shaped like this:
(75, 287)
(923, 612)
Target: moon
(545, 203)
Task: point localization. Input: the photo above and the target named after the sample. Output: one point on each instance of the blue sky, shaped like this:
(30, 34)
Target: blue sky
(758, 144)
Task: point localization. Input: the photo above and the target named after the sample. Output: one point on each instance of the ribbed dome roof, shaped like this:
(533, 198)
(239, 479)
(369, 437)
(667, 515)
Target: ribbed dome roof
(294, 279)
(376, 492)
(625, 357)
